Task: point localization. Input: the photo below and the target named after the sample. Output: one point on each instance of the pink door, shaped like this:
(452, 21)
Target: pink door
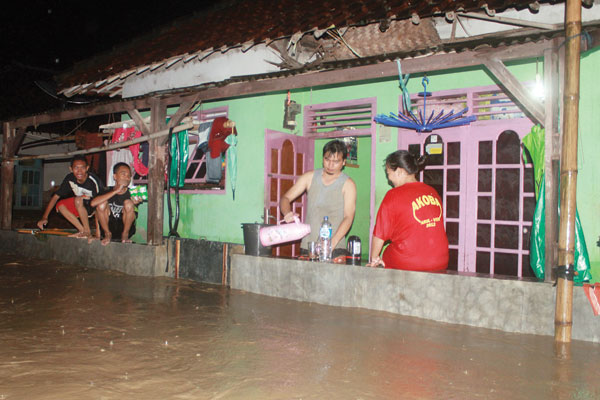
(486, 187)
(287, 156)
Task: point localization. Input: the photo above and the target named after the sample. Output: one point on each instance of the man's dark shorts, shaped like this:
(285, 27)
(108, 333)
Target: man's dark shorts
(115, 226)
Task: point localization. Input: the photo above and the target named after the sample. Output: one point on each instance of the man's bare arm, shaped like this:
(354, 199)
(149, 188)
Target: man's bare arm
(44, 220)
(285, 203)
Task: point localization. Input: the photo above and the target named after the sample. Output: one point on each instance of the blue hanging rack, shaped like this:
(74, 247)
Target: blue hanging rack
(420, 123)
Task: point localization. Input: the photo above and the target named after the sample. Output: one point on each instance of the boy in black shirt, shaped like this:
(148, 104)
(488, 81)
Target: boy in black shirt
(115, 209)
(72, 199)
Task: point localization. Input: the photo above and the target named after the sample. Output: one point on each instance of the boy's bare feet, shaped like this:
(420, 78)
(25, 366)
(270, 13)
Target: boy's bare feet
(80, 235)
(106, 240)
(125, 237)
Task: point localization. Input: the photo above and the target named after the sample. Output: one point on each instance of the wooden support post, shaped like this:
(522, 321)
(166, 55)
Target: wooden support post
(7, 176)
(552, 97)
(156, 174)
(563, 318)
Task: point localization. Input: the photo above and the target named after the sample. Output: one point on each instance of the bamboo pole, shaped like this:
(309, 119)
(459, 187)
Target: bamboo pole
(112, 146)
(563, 318)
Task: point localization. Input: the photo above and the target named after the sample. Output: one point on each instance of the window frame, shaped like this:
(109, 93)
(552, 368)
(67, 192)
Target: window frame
(202, 116)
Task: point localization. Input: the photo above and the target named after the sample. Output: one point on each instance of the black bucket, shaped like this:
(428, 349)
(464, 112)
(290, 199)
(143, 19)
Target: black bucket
(252, 245)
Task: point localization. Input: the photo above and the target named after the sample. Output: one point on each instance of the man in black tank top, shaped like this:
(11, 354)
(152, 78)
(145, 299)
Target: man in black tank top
(115, 207)
(330, 192)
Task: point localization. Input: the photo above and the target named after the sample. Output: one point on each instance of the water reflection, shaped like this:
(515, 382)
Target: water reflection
(73, 333)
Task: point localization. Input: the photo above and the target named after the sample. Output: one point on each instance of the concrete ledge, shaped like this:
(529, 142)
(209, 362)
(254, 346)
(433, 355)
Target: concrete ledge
(505, 304)
(132, 259)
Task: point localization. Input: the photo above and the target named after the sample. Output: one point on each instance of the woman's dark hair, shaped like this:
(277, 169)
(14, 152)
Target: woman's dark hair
(407, 161)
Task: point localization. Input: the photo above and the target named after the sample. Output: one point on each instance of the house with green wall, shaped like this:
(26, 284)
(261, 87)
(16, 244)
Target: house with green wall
(351, 61)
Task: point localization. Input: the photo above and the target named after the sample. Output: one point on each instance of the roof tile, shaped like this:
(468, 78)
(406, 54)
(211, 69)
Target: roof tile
(233, 23)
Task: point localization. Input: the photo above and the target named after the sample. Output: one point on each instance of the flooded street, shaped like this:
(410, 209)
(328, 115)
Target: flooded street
(74, 333)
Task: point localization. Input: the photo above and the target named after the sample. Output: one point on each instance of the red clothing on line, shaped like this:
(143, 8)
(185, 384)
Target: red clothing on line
(124, 134)
(410, 216)
(217, 135)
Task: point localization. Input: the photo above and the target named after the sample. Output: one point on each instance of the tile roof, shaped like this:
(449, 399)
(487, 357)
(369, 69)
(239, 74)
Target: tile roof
(248, 22)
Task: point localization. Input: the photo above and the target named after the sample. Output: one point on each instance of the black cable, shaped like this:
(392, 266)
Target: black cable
(176, 223)
(173, 225)
(169, 190)
(169, 158)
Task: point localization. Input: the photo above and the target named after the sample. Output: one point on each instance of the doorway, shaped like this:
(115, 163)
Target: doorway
(287, 157)
(486, 187)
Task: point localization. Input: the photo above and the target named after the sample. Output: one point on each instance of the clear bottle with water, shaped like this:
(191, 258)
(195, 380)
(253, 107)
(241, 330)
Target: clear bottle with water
(325, 240)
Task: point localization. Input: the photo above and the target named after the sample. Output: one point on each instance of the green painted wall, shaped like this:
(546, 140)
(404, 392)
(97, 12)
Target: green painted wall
(218, 217)
(588, 181)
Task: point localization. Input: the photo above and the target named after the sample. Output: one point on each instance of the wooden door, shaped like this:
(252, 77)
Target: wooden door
(487, 193)
(486, 187)
(287, 157)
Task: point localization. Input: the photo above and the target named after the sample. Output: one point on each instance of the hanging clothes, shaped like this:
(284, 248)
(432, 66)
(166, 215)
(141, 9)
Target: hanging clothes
(218, 133)
(204, 132)
(145, 148)
(124, 134)
(214, 168)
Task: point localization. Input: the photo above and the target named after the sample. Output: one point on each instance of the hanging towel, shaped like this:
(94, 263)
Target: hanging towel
(124, 134)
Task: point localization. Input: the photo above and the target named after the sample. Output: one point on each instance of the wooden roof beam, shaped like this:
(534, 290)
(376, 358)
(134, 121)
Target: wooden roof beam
(510, 21)
(436, 62)
(516, 89)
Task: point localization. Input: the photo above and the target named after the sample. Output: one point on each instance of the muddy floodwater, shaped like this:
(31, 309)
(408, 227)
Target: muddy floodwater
(68, 332)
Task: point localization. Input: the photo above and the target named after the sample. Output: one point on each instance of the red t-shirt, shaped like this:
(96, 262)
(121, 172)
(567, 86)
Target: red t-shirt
(410, 216)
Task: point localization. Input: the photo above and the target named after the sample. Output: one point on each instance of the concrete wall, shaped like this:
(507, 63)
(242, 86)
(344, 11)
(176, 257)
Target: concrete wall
(506, 304)
(199, 260)
(132, 259)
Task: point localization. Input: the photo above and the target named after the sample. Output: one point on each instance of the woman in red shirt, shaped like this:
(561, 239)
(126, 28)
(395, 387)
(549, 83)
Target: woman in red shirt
(410, 219)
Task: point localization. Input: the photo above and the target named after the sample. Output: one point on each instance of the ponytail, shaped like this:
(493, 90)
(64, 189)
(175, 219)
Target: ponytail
(422, 161)
(407, 161)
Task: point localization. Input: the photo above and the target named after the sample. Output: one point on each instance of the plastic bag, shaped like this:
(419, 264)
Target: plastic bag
(179, 155)
(537, 242)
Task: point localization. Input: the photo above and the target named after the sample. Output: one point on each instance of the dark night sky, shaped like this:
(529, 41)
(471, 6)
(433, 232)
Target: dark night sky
(39, 38)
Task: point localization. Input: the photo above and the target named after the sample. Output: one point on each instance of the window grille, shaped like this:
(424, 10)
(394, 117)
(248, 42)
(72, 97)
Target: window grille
(486, 103)
(340, 119)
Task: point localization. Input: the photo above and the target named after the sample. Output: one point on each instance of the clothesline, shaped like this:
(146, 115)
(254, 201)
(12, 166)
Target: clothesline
(112, 146)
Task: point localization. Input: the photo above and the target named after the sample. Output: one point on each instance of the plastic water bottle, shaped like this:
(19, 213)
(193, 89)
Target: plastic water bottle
(325, 240)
